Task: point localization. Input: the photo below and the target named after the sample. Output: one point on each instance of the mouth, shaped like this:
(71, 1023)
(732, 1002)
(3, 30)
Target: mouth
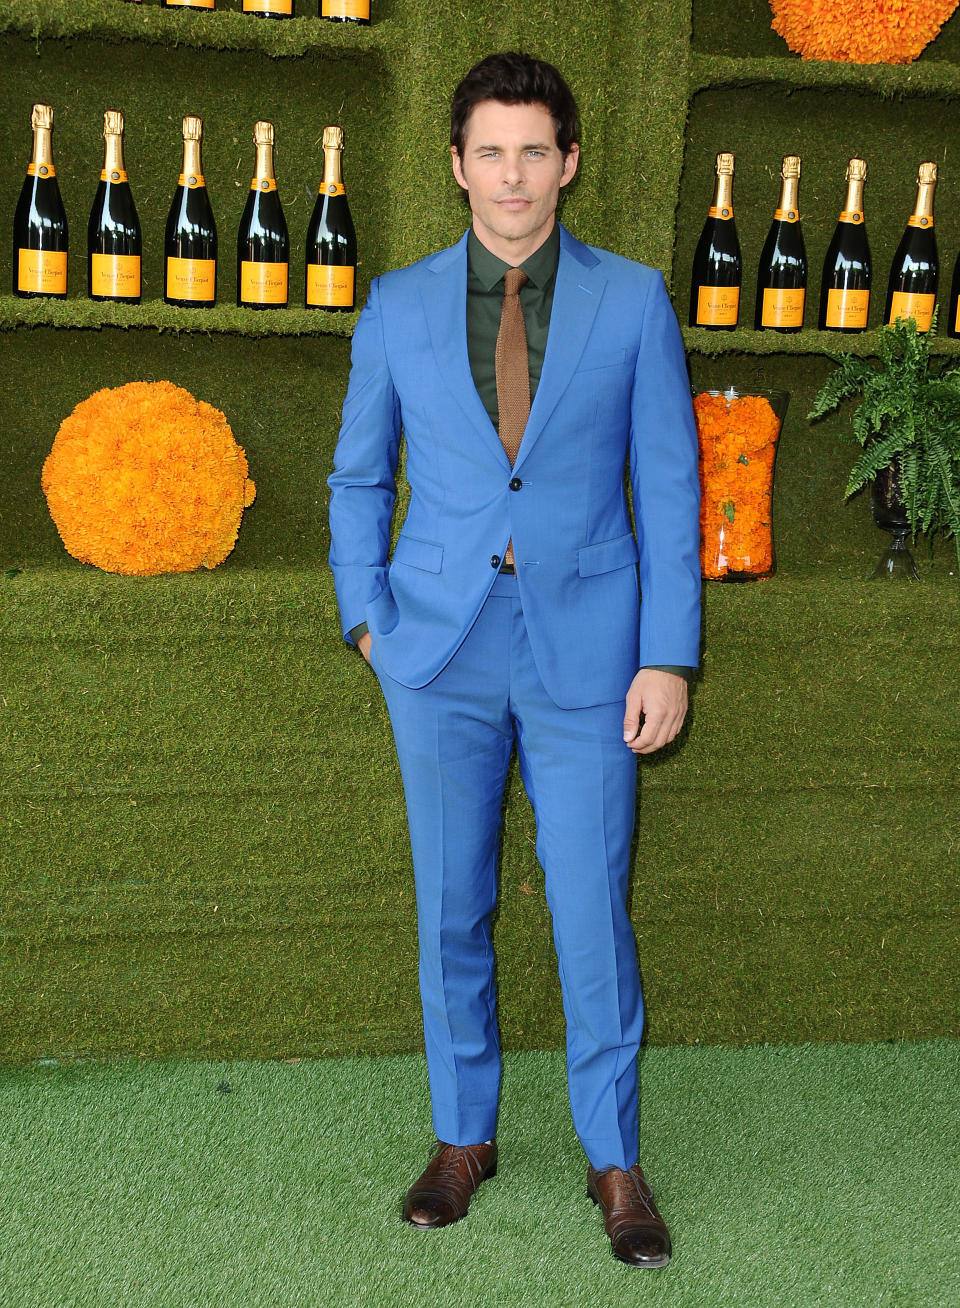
(514, 203)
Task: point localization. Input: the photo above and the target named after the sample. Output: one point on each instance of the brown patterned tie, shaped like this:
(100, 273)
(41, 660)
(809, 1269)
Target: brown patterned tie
(512, 366)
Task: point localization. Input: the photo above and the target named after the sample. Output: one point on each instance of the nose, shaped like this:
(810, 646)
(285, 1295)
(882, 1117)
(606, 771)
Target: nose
(513, 169)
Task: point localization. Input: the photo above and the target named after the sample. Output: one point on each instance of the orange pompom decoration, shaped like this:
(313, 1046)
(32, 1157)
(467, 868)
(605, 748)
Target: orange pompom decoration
(860, 31)
(144, 479)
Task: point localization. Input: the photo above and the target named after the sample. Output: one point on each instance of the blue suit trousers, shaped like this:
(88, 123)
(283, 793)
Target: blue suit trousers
(454, 739)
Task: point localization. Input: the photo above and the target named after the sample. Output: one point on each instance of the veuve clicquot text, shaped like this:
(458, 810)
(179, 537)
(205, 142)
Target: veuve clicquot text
(782, 274)
(269, 8)
(331, 252)
(345, 11)
(190, 243)
(845, 285)
(915, 271)
(717, 266)
(114, 241)
(40, 222)
(263, 245)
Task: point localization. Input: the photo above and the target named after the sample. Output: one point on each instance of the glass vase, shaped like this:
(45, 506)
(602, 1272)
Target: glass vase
(890, 514)
(737, 433)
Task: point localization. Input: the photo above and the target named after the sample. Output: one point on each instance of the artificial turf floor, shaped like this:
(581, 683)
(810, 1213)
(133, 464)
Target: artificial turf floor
(790, 1175)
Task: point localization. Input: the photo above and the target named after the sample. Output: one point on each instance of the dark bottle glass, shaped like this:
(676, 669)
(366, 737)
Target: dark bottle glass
(331, 240)
(114, 240)
(345, 11)
(40, 221)
(845, 285)
(190, 242)
(915, 271)
(953, 321)
(782, 274)
(269, 8)
(263, 244)
(717, 266)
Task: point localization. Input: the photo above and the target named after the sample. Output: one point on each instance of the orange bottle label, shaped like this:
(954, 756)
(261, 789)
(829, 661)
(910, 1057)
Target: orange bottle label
(263, 184)
(192, 4)
(345, 9)
(908, 305)
(956, 325)
(847, 308)
(43, 271)
(263, 283)
(114, 175)
(718, 306)
(332, 188)
(191, 279)
(268, 6)
(116, 275)
(725, 212)
(45, 170)
(330, 285)
(191, 180)
(786, 215)
(782, 308)
(851, 216)
(925, 221)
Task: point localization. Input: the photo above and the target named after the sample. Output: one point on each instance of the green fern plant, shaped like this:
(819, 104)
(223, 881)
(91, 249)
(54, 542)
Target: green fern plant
(909, 414)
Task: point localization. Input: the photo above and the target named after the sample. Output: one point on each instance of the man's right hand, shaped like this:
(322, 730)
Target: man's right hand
(363, 645)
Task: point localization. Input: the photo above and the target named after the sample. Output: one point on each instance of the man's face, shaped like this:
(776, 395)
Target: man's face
(512, 172)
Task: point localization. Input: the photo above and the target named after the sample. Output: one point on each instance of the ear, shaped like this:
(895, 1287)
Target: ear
(570, 161)
(458, 167)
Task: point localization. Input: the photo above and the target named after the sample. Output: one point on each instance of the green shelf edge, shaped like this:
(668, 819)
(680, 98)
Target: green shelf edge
(699, 340)
(115, 20)
(223, 319)
(934, 79)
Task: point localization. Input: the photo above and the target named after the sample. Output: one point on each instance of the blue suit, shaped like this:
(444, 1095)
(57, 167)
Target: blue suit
(473, 663)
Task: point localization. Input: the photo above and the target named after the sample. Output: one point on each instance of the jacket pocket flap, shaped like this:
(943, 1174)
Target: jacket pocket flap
(607, 555)
(424, 554)
(592, 359)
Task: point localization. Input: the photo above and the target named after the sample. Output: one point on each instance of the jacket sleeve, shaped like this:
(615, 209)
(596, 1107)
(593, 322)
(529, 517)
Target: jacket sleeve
(666, 490)
(363, 481)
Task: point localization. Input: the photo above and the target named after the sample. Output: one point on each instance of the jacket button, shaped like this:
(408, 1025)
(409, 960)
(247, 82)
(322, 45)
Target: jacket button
(495, 561)
(515, 483)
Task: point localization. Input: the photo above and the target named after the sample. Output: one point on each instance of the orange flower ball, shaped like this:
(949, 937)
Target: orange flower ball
(144, 479)
(860, 31)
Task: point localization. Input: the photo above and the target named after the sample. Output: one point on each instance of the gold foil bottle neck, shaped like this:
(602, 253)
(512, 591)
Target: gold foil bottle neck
(790, 166)
(333, 138)
(192, 128)
(113, 123)
(857, 170)
(927, 175)
(42, 116)
(725, 165)
(263, 133)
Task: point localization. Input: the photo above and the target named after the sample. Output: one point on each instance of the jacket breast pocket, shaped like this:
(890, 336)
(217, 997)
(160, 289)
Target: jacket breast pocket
(426, 555)
(607, 555)
(591, 360)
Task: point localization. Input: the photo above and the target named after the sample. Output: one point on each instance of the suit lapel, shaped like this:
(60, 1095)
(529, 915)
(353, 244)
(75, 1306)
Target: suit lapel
(576, 299)
(444, 293)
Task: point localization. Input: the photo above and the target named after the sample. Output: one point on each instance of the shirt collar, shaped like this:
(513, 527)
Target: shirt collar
(487, 269)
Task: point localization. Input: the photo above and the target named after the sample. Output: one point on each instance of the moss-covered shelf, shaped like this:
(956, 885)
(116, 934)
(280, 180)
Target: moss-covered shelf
(935, 79)
(224, 318)
(744, 341)
(114, 21)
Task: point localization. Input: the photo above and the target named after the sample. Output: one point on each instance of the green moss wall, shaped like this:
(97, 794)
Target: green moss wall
(202, 838)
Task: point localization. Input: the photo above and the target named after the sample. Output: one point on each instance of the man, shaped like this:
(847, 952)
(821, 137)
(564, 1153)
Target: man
(509, 613)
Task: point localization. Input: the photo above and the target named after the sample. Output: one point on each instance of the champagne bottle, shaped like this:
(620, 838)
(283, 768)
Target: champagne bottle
(331, 241)
(269, 8)
(717, 266)
(188, 4)
(845, 286)
(345, 11)
(40, 222)
(263, 245)
(782, 275)
(190, 243)
(953, 322)
(912, 290)
(114, 242)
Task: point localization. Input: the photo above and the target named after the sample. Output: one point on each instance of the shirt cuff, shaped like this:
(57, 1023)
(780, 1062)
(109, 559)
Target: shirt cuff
(356, 632)
(686, 673)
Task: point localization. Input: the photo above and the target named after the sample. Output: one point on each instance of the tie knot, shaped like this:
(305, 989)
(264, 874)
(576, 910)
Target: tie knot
(513, 279)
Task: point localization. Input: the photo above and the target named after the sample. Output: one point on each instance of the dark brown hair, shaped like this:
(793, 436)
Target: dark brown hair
(513, 78)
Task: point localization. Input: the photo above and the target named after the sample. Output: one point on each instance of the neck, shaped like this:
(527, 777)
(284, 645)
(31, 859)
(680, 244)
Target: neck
(513, 252)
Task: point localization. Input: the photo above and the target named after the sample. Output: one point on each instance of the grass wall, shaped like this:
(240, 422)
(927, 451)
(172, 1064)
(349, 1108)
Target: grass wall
(202, 837)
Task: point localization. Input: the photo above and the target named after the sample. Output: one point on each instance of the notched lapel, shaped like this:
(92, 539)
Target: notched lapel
(444, 296)
(576, 299)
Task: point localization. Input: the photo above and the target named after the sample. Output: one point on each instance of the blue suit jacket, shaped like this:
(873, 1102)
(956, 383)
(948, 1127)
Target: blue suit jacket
(613, 393)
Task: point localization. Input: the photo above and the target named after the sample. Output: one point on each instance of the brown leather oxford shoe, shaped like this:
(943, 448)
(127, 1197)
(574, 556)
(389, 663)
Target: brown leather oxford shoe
(442, 1194)
(638, 1234)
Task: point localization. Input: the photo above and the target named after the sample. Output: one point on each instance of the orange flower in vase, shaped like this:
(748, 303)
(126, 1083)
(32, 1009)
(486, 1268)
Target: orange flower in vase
(738, 444)
(860, 31)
